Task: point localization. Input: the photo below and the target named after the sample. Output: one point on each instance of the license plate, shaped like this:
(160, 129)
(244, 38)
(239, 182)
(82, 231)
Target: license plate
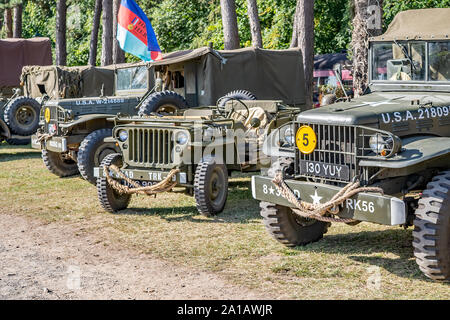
(325, 170)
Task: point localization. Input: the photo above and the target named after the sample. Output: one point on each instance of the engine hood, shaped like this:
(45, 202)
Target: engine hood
(399, 112)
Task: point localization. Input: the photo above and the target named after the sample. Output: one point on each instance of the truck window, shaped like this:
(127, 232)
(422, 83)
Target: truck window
(439, 61)
(132, 78)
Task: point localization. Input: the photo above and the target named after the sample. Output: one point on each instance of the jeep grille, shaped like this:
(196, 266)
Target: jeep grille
(150, 147)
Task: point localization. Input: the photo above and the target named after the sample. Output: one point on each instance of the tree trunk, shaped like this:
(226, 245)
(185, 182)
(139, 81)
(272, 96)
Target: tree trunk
(61, 49)
(303, 37)
(229, 22)
(107, 36)
(17, 33)
(367, 22)
(255, 26)
(94, 33)
(8, 23)
(118, 53)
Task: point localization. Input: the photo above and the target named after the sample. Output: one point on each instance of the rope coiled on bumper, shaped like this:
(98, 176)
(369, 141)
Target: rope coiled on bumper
(163, 186)
(318, 211)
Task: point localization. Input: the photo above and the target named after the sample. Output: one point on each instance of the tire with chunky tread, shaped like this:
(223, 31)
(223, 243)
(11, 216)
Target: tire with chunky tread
(236, 94)
(57, 165)
(10, 116)
(281, 222)
(154, 102)
(431, 235)
(205, 171)
(92, 151)
(109, 199)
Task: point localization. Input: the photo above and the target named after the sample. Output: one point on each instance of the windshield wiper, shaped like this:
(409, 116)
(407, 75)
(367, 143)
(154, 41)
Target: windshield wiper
(405, 52)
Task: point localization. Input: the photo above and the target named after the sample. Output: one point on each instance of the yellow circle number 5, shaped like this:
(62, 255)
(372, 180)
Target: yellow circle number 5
(306, 139)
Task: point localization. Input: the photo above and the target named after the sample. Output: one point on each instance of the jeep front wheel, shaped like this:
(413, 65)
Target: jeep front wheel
(59, 164)
(432, 229)
(210, 187)
(282, 223)
(92, 151)
(110, 199)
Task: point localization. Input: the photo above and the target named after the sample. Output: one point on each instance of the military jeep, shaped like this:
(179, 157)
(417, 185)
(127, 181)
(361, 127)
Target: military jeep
(204, 146)
(394, 142)
(72, 130)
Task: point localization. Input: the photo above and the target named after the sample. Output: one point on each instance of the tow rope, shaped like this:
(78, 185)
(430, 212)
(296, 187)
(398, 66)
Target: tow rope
(163, 186)
(318, 211)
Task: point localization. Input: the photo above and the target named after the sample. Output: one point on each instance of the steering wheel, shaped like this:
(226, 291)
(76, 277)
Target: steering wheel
(221, 108)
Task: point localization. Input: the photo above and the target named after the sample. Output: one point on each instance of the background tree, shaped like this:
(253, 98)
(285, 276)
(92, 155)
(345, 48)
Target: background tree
(94, 33)
(7, 22)
(118, 53)
(61, 41)
(107, 35)
(367, 22)
(230, 27)
(255, 26)
(303, 37)
(18, 8)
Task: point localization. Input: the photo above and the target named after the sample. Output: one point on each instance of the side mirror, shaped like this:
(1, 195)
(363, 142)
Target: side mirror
(255, 123)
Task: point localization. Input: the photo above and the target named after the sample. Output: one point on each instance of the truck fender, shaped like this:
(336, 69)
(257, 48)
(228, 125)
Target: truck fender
(85, 118)
(415, 150)
(4, 130)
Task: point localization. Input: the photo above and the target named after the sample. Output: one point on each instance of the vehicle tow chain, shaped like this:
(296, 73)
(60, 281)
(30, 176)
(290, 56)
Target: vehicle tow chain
(318, 211)
(163, 186)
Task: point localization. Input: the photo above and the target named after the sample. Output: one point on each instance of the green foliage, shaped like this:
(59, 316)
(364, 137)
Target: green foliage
(183, 24)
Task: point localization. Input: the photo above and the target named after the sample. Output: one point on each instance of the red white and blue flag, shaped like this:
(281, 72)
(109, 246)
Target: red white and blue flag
(135, 33)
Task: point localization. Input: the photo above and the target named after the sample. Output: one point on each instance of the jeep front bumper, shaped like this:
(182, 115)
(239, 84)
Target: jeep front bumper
(370, 207)
(145, 177)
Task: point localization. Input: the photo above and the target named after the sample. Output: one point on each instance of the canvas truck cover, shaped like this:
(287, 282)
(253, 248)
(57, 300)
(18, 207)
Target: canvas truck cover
(16, 53)
(421, 24)
(57, 82)
(97, 80)
(269, 74)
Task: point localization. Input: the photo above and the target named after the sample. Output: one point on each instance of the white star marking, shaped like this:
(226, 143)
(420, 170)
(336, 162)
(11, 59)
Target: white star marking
(316, 198)
(271, 190)
(376, 104)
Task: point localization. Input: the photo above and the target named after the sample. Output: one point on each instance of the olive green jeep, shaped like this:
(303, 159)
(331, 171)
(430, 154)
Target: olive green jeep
(382, 158)
(197, 150)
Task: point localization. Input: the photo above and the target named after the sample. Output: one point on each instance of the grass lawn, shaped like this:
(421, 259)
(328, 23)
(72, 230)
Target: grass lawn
(234, 244)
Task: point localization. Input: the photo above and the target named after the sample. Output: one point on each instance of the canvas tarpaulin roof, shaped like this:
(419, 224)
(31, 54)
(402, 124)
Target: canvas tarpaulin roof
(423, 24)
(269, 74)
(16, 53)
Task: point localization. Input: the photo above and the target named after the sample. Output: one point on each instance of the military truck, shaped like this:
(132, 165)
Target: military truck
(200, 148)
(18, 111)
(382, 158)
(72, 130)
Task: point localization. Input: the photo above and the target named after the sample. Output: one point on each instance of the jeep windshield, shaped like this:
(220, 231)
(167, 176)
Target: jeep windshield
(132, 79)
(414, 61)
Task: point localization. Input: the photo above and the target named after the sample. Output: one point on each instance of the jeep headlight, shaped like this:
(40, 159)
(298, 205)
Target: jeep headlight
(123, 135)
(181, 137)
(381, 145)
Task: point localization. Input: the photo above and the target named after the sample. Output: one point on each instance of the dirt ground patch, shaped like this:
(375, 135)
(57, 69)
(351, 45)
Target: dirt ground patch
(54, 261)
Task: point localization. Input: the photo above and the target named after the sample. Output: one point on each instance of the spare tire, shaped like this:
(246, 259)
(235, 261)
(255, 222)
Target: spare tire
(22, 115)
(236, 94)
(164, 103)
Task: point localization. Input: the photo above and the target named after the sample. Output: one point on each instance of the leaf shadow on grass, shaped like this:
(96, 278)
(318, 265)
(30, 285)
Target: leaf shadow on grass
(359, 245)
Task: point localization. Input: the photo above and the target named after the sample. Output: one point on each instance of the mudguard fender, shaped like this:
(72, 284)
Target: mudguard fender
(83, 119)
(415, 150)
